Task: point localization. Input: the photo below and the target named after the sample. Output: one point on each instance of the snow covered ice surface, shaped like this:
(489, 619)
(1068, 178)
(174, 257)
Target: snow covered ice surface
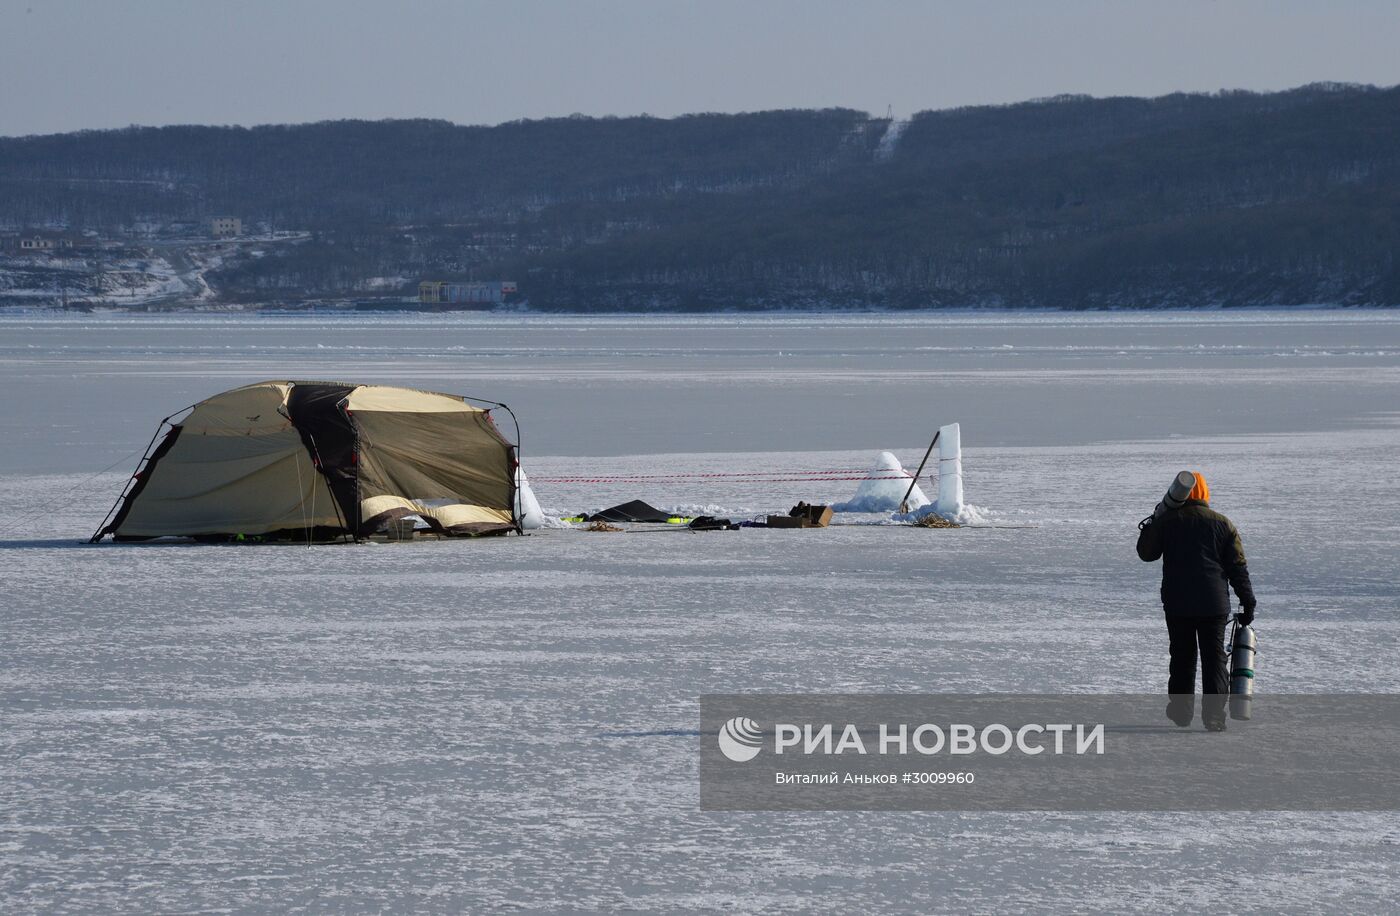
(510, 723)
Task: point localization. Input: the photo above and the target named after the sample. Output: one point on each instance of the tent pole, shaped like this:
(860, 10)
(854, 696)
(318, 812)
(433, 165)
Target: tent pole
(321, 472)
(519, 522)
(145, 454)
(515, 474)
(359, 449)
(904, 503)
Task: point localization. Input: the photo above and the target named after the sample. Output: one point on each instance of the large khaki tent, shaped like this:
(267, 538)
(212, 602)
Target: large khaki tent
(319, 461)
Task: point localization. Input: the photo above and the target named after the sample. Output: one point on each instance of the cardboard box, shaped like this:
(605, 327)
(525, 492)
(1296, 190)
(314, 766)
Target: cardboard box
(802, 516)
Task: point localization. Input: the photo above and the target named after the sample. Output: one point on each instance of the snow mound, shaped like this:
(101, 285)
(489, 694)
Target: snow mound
(967, 514)
(884, 490)
(527, 507)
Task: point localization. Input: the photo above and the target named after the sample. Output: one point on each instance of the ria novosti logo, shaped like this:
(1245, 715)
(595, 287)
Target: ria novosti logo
(740, 739)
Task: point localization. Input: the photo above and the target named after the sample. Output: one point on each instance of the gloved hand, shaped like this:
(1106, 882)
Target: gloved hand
(1246, 615)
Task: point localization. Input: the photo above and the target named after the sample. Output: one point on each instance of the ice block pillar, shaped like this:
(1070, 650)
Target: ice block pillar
(950, 479)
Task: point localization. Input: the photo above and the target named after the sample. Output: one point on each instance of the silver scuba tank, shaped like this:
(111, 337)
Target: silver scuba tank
(1181, 488)
(1242, 650)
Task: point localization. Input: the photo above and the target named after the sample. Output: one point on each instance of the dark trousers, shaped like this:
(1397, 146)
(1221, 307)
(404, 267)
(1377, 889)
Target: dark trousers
(1192, 637)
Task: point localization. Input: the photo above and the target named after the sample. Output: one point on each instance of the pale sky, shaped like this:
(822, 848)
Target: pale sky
(74, 64)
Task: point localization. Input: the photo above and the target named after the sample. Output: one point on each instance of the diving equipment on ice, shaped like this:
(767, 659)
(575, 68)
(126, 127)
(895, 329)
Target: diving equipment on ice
(1243, 645)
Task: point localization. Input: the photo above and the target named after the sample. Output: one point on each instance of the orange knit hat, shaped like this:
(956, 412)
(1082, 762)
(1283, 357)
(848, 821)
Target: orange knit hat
(1201, 490)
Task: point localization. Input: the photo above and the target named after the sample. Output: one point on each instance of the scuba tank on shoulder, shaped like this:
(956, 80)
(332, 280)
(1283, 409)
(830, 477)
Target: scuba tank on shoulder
(1176, 497)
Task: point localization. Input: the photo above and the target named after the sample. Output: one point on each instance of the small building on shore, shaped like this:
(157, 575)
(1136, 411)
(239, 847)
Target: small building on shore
(42, 241)
(225, 227)
(440, 292)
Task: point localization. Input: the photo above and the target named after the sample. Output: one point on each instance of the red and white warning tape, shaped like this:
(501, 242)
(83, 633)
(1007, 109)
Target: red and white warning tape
(751, 477)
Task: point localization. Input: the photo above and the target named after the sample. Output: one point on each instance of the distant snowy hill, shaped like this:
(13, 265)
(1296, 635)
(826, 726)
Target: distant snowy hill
(1234, 198)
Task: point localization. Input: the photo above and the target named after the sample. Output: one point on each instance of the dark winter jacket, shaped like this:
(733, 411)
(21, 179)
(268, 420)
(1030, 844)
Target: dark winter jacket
(1201, 552)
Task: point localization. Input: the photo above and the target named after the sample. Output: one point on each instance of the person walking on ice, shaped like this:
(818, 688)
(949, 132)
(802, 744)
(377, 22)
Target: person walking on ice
(1202, 558)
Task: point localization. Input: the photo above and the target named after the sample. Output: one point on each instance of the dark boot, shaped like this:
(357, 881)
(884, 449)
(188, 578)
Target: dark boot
(1215, 674)
(1181, 708)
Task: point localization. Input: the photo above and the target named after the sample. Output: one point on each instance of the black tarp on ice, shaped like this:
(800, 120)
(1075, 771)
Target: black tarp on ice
(634, 511)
